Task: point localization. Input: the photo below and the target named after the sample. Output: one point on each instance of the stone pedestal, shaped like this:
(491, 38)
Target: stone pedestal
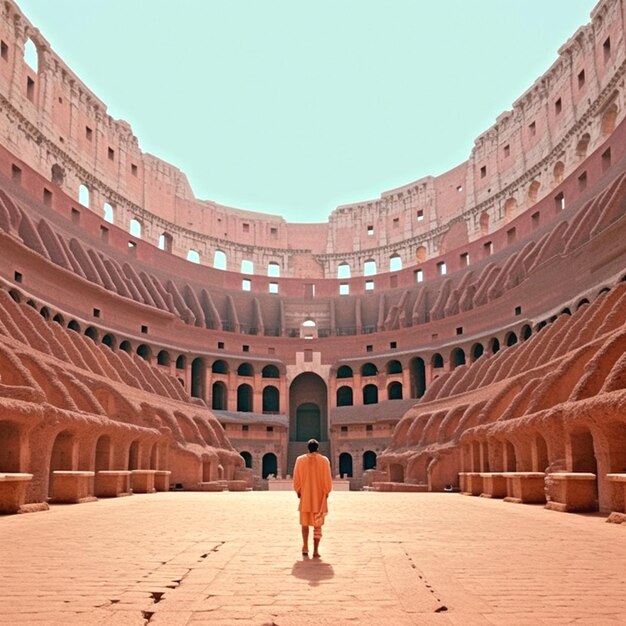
(471, 483)
(112, 483)
(142, 481)
(617, 483)
(13, 491)
(494, 485)
(572, 491)
(525, 487)
(69, 487)
(162, 480)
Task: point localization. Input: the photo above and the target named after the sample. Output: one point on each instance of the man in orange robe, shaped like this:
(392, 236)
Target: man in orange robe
(312, 481)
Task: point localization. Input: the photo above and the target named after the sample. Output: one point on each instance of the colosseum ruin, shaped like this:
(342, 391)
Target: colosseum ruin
(464, 332)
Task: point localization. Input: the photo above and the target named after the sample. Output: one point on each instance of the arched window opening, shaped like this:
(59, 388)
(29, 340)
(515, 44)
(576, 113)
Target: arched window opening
(270, 371)
(144, 352)
(511, 339)
(437, 360)
(74, 325)
(369, 369)
(273, 270)
(219, 367)
(244, 398)
(607, 125)
(369, 460)
(219, 260)
(126, 347)
(308, 329)
(369, 267)
(418, 377)
(557, 172)
(245, 369)
(247, 457)
(219, 396)
(181, 362)
(58, 318)
(247, 267)
(109, 340)
(345, 465)
(83, 195)
(193, 256)
(395, 263)
(457, 357)
(166, 242)
(394, 367)
(494, 345)
(269, 465)
(344, 371)
(15, 296)
(526, 332)
(510, 207)
(344, 396)
(581, 146)
(57, 175)
(198, 370)
(31, 55)
(45, 313)
(477, 351)
(394, 391)
(533, 191)
(370, 394)
(163, 357)
(484, 223)
(133, 455)
(135, 227)
(343, 270)
(271, 399)
(108, 213)
(583, 302)
(92, 333)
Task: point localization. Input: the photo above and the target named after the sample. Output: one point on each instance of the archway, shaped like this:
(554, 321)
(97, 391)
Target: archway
(219, 396)
(369, 460)
(418, 377)
(9, 447)
(103, 453)
(271, 399)
(269, 465)
(308, 408)
(244, 398)
(197, 378)
(247, 457)
(345, 465)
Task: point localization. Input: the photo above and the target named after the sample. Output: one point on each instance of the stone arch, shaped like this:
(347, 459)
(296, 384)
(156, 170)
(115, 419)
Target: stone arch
(84, 195)
(494, 345)
(394, 367)
(193, 256)
(394, 390)
(370, 394)
(345, 465)
(109, 340)
(163, 357)
(526, 332)
(245, 369)
(92, 333)
(219, 367)
(134, 227)
(219, 260)
(345, 396)
(436, 361)
(477, 351)
(154, 456)
(395, 262)
(244, 398)
(369, 267)
(533, 191)
(219, 396)
(557, 172)
(59, 319)
(247, 458)
(198, 372)
(102, 461)
(396, 473)
(582, 145)
(31, 55)
(369, 460)
(269, 465)
(308, 408)
(484, 223)
(134, 459)
(271, 399)
(369, 369)
(344, 371)
(270, 371)
(10, 447)
(510, 207)
(181, 362)
(609, 117)
(418, 377)
(144, 352)
(457, 357)
(57, 175)
(45, 313)
(343, 270)
(74, 325)
(510, 339)
(126, 347)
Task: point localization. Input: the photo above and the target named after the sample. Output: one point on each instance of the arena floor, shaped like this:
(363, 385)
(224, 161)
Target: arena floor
(234, 558)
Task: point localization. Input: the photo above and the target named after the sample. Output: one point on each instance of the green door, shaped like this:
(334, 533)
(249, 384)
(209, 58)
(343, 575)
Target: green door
(308, 422)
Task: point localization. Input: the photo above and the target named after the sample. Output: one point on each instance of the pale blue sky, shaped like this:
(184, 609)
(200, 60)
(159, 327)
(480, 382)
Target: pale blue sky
(294, 107)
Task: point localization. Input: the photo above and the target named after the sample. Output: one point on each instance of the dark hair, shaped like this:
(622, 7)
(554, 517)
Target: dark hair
(313, 445)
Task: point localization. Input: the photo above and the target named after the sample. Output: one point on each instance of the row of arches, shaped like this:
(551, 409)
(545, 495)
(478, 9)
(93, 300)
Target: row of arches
(270, 398)
(345, 394)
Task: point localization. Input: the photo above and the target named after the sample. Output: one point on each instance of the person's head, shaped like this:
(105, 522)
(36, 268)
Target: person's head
(313, 445)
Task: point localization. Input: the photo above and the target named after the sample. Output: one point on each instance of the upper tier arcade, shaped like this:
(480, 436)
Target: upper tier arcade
(62, 130)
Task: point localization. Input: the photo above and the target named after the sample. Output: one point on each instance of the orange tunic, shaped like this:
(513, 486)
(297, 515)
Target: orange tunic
(313, 481)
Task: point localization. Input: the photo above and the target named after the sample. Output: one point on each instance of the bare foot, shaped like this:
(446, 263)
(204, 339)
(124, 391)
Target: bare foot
(305, 550)
(316, 555)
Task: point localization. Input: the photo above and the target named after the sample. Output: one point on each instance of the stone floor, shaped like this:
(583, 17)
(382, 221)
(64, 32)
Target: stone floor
(234, 558)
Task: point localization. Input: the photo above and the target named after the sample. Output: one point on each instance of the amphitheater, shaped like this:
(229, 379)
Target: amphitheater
(463, 333)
